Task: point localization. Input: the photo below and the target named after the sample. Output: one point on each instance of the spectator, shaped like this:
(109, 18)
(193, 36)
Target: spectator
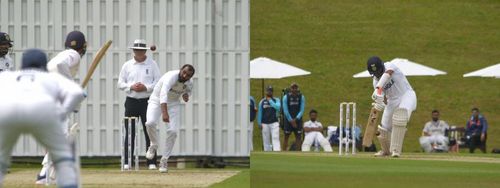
(268, 121)
(293, 109)
(313, 130)
(435, 134)
(253, 113)
(476, 131)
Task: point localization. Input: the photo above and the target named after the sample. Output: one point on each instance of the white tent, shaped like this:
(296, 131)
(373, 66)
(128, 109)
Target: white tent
(408, 68)
(491, 71)
(265, 68)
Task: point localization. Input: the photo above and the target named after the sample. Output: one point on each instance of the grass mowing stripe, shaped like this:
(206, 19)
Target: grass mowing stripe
(320, 171)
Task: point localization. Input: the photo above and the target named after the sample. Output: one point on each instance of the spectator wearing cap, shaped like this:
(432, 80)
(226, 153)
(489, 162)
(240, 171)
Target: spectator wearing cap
(5, 48)
(293, 109)
(67, 64)
(267, 120)
(476, 131)
(138, 78)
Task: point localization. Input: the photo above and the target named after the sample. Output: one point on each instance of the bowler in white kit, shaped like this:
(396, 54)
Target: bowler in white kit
(37, 104)
(165, 101)
(391, 86)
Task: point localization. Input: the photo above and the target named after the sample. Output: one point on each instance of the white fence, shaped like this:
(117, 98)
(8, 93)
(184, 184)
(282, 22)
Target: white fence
(213, 35)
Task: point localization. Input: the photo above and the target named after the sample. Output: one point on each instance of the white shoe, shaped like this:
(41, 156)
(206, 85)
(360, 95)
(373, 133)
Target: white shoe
(150, 154)
(152, 167)
(126, 167)
(381, 154)
(163, 165)
(396, 154)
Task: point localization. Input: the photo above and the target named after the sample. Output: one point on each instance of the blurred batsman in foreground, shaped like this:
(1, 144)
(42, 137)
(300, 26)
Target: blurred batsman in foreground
(391, 86)
(165, 101)
(38, 103)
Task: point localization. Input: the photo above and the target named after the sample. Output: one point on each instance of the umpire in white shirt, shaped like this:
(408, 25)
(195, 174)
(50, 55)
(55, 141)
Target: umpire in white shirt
(138, 77)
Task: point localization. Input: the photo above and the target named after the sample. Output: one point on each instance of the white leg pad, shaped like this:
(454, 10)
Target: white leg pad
(425, 144)
(325, 144)
(384, 139)
(399, 122)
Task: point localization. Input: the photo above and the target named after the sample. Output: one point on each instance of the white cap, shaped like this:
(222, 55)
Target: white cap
(139, 44)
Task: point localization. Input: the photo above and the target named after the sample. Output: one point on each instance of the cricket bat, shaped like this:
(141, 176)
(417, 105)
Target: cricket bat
(97, 59)
(371, 127)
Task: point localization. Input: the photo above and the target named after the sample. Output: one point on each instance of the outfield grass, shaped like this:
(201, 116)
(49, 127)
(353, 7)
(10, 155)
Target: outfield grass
(333, 39)
(240, 180)
(329, 170)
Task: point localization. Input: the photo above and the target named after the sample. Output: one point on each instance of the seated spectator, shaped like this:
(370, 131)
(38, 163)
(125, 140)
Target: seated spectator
(313, 134)
(476, 129)
(435, 135)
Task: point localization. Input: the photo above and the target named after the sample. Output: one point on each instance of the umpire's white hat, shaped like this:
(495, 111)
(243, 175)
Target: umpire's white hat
(139, 44)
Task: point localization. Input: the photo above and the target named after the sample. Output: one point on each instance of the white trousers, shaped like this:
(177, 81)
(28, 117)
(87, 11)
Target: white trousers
(440, 141)
(315, 137)
(408, 101)
(271, 133)
(153, 115)
(41, 119)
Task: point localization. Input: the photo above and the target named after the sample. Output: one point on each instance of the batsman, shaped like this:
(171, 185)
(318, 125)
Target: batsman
(394, 95)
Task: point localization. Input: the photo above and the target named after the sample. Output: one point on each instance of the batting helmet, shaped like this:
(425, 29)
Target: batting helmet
(75, 40)
(375, 66)
(34, 59)
(5, 39)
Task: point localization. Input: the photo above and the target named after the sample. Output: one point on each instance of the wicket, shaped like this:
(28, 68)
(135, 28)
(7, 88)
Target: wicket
(349, 129)
(129, 124)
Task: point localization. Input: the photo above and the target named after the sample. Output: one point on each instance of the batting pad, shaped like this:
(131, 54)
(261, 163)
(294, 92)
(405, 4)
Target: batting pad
(399, 122)
(384, 139)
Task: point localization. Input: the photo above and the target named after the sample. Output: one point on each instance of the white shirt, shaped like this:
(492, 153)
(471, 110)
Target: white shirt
(169, 89)
(397, 86)
(436, 128)
(65, 63)
(312, 124)
(146, 72)
(6, 63)
(31, 85)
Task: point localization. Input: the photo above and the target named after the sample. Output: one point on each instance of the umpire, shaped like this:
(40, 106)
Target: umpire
(293, 109)
(138, 77)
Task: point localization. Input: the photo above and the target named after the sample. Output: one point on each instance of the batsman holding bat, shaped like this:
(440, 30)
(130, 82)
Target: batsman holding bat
(67, 64)
(391, 83)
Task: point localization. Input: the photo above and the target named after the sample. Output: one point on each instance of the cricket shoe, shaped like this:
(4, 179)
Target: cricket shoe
(150, 154)
(152, 167)
(126, 167)
(396, 154)
(163, 165)
(41, 180)
(381, 154)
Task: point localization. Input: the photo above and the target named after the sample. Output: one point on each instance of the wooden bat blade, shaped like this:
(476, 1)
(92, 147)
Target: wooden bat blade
(97, 59)
(371, 128)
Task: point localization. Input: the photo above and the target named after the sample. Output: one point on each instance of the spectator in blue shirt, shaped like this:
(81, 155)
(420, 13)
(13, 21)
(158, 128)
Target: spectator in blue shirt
(293, 109)
(253, 114)
(476, 131)
(267, 119)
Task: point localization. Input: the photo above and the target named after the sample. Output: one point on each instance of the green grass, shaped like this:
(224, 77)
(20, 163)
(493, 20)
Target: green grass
(333, 39)
(329, 170)
(240, 180)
